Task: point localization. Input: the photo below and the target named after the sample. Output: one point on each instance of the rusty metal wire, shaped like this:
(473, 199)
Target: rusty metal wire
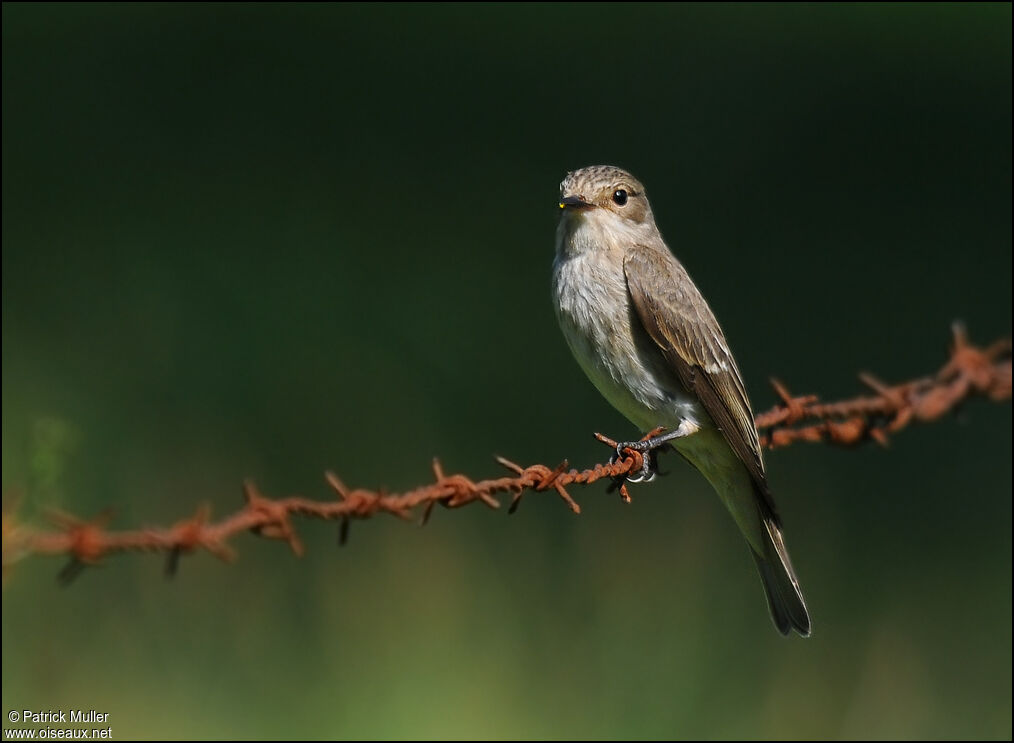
(970, 371)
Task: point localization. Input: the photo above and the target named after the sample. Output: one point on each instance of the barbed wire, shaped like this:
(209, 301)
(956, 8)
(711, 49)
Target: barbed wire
(970, 371)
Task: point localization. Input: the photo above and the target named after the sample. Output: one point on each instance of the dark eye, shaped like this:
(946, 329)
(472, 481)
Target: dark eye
(619, 197)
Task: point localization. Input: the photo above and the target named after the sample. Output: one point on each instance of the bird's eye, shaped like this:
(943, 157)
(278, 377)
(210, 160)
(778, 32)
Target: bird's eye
(619, 197)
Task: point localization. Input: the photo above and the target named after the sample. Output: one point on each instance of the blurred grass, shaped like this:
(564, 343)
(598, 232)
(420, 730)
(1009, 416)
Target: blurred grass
(268, 240)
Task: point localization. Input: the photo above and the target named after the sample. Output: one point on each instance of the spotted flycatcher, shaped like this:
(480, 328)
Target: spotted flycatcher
(648, 341)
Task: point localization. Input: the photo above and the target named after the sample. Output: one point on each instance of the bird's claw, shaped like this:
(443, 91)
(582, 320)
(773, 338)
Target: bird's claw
(648, 468)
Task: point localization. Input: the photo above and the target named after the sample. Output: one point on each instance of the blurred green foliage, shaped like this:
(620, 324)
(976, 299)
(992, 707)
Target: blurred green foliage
(266, 240)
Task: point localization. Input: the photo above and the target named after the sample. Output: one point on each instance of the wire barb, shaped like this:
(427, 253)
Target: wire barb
(970, 371)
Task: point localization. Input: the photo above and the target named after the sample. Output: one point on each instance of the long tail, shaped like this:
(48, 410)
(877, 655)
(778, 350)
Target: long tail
(785, 599)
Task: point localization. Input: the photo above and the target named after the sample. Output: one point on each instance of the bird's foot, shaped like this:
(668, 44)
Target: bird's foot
(649, 464)
(645, 447)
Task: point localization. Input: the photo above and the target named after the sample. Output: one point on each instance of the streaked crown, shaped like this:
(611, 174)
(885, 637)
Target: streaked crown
(606, 187)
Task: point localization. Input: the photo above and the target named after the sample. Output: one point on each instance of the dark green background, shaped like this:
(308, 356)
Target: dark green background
(268, 240)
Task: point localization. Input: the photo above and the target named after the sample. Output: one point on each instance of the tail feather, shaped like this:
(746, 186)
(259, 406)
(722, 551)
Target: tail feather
(785, 598)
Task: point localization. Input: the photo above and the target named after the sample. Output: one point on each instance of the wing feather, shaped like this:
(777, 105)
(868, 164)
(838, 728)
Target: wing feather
(679, 321)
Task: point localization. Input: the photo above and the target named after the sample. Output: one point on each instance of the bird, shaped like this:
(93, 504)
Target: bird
(646, 338)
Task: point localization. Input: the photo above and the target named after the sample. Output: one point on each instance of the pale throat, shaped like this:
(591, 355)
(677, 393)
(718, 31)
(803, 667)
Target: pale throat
(598, 229)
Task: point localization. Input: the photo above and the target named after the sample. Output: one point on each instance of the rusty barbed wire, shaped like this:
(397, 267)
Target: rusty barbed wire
(970, 371)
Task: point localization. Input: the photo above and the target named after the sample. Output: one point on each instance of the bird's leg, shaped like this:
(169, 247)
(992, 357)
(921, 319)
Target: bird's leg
(647, 447)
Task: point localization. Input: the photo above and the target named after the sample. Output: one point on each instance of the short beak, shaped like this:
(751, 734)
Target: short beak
(574, 202)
